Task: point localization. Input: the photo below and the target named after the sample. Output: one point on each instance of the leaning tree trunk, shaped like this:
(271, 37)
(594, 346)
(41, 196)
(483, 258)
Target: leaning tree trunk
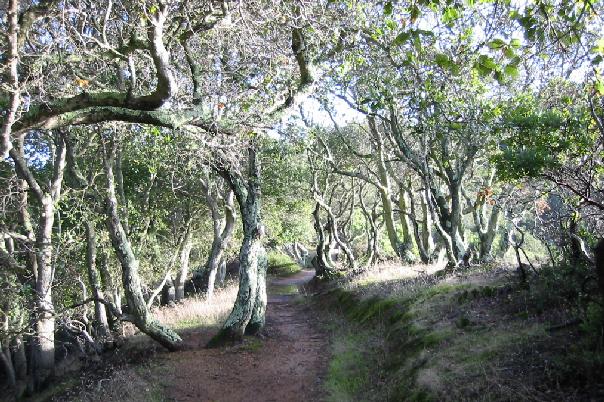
(137, 308)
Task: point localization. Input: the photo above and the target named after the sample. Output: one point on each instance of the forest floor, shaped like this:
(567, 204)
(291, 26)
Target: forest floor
(286, 363)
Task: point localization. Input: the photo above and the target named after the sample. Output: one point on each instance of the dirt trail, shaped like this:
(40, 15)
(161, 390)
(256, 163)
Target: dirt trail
(287, 364)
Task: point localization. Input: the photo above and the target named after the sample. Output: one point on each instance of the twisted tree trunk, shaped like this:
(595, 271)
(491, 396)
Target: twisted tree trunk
(250, 304)
(322, 261)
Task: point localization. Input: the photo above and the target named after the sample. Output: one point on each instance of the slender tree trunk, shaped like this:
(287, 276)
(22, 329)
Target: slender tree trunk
(11, 79)
(110, 289)
(426, 225)
(403, 202)
(333, 224)
(100, 313)
(424, 255)
(137, 308)
(372, 231)
(401, 249)
(388, 215)
(407, 243)
(221, 275)
(26, 223)
(121, 190)
(223, 225)
(181, 277)
(441, 222)
(44, 321)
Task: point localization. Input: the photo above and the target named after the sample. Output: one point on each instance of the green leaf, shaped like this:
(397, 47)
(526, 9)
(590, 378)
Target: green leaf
(496, 44)
(414, 13)
(401, 38)
(442, 60)
(599, 48)
(511, 70)
(487, 62)
(515, 43)
(388, 8)
(515, 61)
(509, 52)
(485, 66)
(450, 14)
(599, 86)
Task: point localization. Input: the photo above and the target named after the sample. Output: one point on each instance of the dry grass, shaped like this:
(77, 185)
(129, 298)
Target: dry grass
(193, 312)
(199, 312)
(391, 278)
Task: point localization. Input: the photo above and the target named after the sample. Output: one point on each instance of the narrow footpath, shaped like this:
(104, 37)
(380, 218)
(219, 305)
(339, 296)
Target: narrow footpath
(286, 364)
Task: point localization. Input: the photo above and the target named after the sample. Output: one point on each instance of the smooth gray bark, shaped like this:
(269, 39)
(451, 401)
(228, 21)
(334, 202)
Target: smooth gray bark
(183, 272)
(44, 320)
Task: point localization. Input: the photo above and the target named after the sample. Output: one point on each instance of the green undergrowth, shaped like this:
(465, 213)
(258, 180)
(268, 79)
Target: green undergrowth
(281, 265)
(465, 340)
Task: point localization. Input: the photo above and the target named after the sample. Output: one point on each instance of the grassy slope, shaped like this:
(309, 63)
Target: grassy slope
(281, 265)
(481, 336)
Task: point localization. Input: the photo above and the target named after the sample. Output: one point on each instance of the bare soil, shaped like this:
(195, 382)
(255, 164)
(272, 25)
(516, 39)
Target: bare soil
(286, 363)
